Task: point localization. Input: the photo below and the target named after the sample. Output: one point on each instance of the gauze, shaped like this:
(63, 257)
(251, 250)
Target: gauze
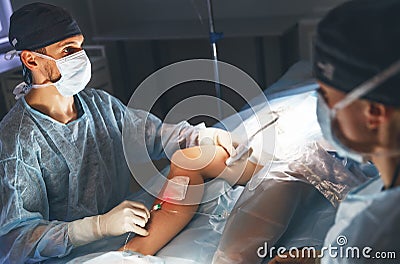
(176, 188)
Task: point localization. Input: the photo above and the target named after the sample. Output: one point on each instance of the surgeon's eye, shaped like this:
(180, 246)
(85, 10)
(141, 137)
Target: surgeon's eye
(70, 50)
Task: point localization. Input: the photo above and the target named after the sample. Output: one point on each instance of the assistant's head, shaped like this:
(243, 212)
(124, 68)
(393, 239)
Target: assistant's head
(355, 42)
(44, 34)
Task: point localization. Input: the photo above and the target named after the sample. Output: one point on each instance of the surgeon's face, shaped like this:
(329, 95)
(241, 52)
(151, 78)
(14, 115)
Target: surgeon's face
(57, 51)
(351, 123)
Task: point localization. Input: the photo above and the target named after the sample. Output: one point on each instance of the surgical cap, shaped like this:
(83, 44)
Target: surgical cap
(356, 41)
(38, 25)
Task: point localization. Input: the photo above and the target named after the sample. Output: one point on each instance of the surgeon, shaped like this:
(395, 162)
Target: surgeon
(63, 175)
(357, 63)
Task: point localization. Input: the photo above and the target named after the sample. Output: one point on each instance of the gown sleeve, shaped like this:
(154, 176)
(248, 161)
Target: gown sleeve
(26, 233)
(143, 132)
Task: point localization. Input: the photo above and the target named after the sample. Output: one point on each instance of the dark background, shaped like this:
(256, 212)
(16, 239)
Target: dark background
(262, 37)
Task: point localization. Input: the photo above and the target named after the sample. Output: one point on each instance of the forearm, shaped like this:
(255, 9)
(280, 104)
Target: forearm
(35, 242)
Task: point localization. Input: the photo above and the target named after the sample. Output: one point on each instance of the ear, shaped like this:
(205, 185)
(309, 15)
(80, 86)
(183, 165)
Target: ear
(377, 114)
(28, 59)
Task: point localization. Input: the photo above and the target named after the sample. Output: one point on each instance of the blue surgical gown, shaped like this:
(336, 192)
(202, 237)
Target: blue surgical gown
(52, 173)
(366, 228)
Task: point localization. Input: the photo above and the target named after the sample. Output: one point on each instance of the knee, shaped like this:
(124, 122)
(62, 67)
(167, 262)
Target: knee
(197, 158)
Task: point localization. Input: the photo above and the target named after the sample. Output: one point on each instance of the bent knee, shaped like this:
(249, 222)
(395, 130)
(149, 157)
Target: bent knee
(199, 158)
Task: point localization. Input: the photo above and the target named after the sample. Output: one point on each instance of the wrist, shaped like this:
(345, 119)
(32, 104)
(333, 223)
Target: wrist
(84, 231)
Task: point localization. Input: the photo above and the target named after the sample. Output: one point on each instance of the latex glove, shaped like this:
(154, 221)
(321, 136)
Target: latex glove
(128, 216)
(218, 137)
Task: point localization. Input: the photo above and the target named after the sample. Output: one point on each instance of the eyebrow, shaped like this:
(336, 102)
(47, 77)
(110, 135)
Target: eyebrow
(67, 43)
(62, 44)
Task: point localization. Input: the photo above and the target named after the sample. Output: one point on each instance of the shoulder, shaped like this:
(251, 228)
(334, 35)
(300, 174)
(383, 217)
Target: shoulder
(92, 93)
(16, 129)
(371, 212)
(14, 120)
(101, 99)
(100, 105)
(368, 200)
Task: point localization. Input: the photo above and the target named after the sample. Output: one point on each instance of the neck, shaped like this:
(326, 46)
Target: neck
(51, 103)
(388, 145)
(387, 167)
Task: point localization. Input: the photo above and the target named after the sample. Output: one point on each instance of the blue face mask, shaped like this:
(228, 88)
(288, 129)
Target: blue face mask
(326, 116)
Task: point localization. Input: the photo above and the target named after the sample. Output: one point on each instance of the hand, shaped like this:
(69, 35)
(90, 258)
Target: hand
(128, 216)
(219, 137)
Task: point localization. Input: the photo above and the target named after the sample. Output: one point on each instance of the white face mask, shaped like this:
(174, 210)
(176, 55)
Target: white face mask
(75, 70)
(326, 116)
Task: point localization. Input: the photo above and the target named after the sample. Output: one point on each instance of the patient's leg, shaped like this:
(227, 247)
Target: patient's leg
(197, 163)
(259, 216)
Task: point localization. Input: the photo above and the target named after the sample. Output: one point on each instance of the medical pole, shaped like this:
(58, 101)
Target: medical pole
(214, 37)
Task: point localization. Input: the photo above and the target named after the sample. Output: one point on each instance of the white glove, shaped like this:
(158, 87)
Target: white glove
(218, 137)
(128, 216)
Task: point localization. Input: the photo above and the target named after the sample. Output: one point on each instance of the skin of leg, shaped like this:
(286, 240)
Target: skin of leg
(261, 219)
(197, 163)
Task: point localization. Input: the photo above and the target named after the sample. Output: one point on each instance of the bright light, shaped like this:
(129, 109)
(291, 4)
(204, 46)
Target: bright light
(3, 40)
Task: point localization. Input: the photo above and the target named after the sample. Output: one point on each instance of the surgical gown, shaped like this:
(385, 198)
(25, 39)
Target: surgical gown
(52, 173)
(367, 228)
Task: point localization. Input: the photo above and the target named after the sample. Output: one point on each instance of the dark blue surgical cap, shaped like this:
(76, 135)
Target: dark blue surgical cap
(38, 25)
(356, 41)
